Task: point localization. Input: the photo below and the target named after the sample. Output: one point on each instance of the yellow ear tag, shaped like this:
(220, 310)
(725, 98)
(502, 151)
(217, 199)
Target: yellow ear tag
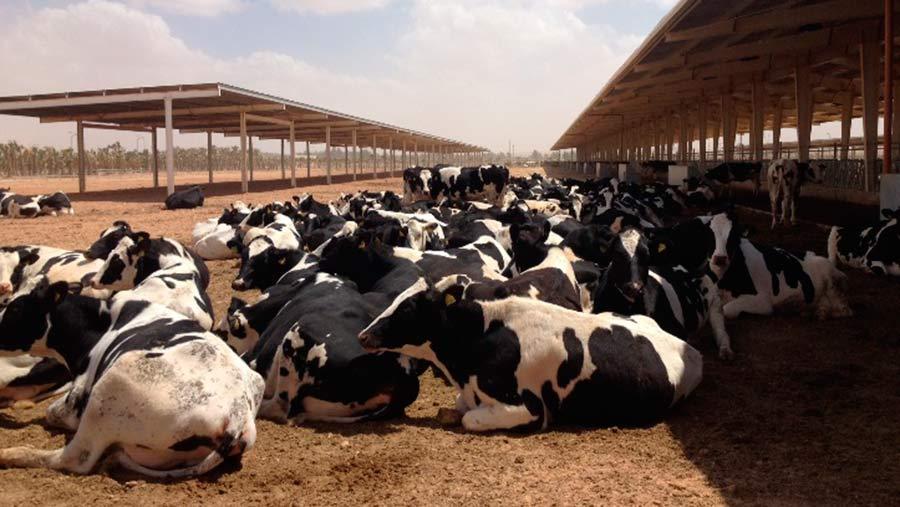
(661, 248)
(449, 299)
(282, 261)
(362, 244)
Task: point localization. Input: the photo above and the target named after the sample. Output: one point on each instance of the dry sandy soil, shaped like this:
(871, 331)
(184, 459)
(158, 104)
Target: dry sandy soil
(808, 412)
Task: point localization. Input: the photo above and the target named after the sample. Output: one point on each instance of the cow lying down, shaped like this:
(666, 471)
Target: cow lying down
(153, 391)
(522, 363)
(874, 248)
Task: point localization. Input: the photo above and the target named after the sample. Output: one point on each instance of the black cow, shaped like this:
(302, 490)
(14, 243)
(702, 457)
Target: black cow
(188, 198)
(728, 172)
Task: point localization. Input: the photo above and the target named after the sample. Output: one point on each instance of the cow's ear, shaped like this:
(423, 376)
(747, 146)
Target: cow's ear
(236, 304)
(56, 293)
(142, 245)
(29, 258)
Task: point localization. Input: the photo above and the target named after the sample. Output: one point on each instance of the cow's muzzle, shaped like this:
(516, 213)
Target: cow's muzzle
(5, 288)
(239, 284)
(720, 260)
(369, 341)
(632, 291)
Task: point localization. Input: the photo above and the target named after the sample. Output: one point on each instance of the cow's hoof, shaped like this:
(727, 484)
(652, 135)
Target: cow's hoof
(449, 417)
(726, 354)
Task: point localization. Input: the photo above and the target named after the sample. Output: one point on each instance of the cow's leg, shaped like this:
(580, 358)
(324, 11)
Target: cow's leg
(61, 415)
(717, 322)
(79, 456)
(773, 202)
(794, 199)
(498, 416)
(756, 305)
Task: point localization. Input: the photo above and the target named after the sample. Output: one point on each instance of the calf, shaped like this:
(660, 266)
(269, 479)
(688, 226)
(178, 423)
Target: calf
(681, 303)
(316, 370)
(188, 198)
(786, 177)
(522, 363)
(875, 248)
(56, 203)
(152, 390)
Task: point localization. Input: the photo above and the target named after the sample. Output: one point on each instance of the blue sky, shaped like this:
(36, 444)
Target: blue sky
(484, 71)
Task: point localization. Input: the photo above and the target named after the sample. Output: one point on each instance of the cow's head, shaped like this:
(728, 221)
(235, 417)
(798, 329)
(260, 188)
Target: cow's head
(233, 327)
(24, 324)
(13, 261)
(420, 315)
(528, 243)
(815, 172)
(629, 266)
(262, 264)
(120, 269)
(727, 236)
(425, 235)
(109, 238)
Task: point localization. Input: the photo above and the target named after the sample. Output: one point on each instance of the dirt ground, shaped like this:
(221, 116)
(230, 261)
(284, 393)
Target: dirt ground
(807, 413)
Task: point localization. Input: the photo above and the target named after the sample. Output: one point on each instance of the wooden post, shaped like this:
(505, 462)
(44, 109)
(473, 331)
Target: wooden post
(293, 156)
(846, 121)
(374, 157)
(170, 148)
(869, 60)
(887, 154)
(282, 159)
(727, 127)
(346, 159)
(803, 98)
(683, 135)
(776, 129)
(244, 185)
(356, 154)
(715, 134)
(82, 165)
(209, 154)
(154, 152)
(416, 151)
(404, 161)
(757, 117)
(250, 140)
(393, 158)
(701, 131)
(308, 163)
(328, 154)
(670, 136)
(895, 122)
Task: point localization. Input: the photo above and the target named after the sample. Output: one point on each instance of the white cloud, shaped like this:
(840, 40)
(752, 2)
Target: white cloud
(483, 72)
(329, 6)
(192, 7)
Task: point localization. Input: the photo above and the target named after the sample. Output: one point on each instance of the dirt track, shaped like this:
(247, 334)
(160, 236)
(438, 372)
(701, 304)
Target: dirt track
(808, 412)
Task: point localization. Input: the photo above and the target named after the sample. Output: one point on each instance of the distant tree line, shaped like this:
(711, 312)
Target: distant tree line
(17, 160)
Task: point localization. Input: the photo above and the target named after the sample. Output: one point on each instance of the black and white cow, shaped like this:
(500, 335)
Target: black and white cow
(786, 177)
(18, 264)
(874, 248)
(152, 390)
(416, 182)
(314, 366)
(188, 198)
(24, 207)
(108, 240)
(56, 203)
(243, 324)
(487, 183)
(521, 363)
(267, 253)
(32, 378)
(680, 302)
(177, 283)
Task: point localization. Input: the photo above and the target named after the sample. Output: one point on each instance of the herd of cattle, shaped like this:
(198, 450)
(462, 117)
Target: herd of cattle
(540, 301)
(30, 206)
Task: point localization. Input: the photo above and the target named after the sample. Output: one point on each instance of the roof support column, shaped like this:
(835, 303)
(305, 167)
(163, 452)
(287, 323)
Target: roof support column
(250, 143)
(170, 148)
(701, 132)
(293, 155)
(244, 185)
(154, 152)
(758, 117)
(416, 152)
(846, 121)
(715, 151)
(393, 155)
(728, 127)
(670, 135)
(209, 154)
(888, 165)
(282, 159)
(777, 115)
(374, 157)
(82, 166)
(869, 63)
(895, 122)
(683, 135)
(804, 99)
(308, 162)
(356, 154)
(346, 159)
(404, 162)
(328, 154)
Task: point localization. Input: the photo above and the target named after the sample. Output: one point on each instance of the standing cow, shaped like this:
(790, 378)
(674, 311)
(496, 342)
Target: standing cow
(785, 178)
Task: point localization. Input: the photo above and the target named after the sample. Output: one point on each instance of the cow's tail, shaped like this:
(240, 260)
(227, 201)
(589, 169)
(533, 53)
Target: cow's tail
(833, 245)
